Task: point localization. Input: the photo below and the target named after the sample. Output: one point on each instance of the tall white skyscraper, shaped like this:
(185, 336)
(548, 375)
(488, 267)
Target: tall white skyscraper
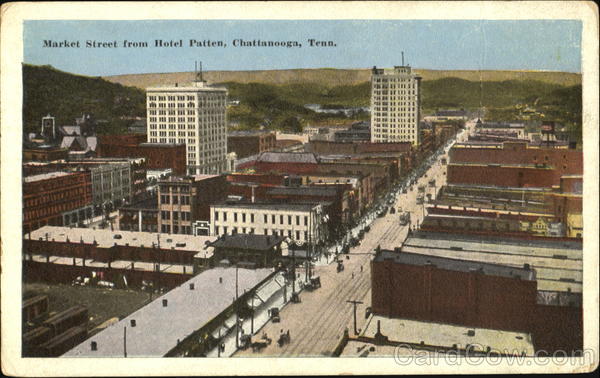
(194, 115)
(395, 105)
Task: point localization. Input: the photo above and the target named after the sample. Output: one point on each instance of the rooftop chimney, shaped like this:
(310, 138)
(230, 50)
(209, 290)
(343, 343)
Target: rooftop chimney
(192, 286)
(164, 302)
(220, 279)
(132, 322)
(94, 346)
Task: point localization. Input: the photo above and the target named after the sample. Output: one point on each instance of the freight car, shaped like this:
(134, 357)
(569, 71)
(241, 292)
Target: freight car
(35, 308)
(34, 338)
(72, 317)
(62, 343)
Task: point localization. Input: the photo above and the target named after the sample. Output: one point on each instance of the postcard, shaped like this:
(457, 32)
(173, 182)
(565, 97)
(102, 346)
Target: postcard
(218, 188)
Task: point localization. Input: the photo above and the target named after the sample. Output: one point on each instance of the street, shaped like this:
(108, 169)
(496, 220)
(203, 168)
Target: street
(316, 325)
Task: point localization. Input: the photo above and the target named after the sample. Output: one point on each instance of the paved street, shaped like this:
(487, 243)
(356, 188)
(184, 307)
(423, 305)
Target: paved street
(317, 324)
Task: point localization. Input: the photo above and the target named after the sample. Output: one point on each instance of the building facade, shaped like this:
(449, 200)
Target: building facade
(301, 222)
(185, 200)
(157, 155)
(56, 198)
(248, 143)
(139, 216)
(395, 105)
(194, 115)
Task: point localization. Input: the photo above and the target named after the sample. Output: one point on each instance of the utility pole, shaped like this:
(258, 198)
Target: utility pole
(235, 307)
(125, 342)
(252, 316)
(354, 303)
(219, 343)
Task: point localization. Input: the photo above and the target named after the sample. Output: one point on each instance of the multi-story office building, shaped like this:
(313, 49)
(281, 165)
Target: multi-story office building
(194, 115)
(395, 103)
(299, 222)
(185, 200)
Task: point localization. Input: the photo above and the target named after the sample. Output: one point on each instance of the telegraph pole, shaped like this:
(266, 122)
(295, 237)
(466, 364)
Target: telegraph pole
(354, 303)
(235, 307)
(124, 341)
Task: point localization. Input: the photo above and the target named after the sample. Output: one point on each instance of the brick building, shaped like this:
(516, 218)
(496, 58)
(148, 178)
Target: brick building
(56, 198)
(44, 153)
(158, 155)
(113, 179)
(413, 286)
(248, 143)
(562, 161)
(185, 200)
(504, 175)
(478, 294)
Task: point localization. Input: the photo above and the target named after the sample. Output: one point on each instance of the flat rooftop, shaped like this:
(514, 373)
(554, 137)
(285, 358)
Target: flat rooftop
(558, 264)
(106, 238)
(45, 176)
(159, 329)
(457, 265)
(449, 336)
(269, 206)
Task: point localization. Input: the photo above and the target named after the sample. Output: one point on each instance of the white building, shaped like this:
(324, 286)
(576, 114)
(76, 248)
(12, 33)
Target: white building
(395, 105)
(300, 222)
(194, 115)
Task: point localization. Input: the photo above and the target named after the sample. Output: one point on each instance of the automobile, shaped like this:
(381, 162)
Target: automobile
(274, 314)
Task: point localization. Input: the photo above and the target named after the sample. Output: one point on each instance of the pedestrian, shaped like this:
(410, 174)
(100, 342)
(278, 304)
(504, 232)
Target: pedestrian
(361, 268)
(352, 274)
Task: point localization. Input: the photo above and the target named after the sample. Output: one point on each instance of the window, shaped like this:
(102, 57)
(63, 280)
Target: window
(305, 220)
(281, 219)
(216, 215)
(273, 219)
(225, 217)
(244, 218)
(289, 219)
(265, 219)
(297, 235)
(266, 231)
(235, 217)
(175, 200)
(297, 220)
(251, 218)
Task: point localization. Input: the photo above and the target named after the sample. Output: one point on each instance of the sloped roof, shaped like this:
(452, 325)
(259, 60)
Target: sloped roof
(248, 241)
(287, 157)
(86, 143)
(70, 130)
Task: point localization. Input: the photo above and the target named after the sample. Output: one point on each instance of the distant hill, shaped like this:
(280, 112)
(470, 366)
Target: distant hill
(66, 96)
(279, 104)
(331, 77)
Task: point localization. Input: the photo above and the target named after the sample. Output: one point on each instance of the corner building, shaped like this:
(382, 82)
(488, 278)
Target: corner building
(194, 115)
(395, 103)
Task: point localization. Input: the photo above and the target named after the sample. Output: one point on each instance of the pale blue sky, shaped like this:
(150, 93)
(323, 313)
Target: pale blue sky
(553, 45)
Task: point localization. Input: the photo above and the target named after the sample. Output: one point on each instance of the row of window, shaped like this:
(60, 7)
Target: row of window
(183, 230)
(274, 218)
(175, 200)
(177, 215)
(244, 230)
